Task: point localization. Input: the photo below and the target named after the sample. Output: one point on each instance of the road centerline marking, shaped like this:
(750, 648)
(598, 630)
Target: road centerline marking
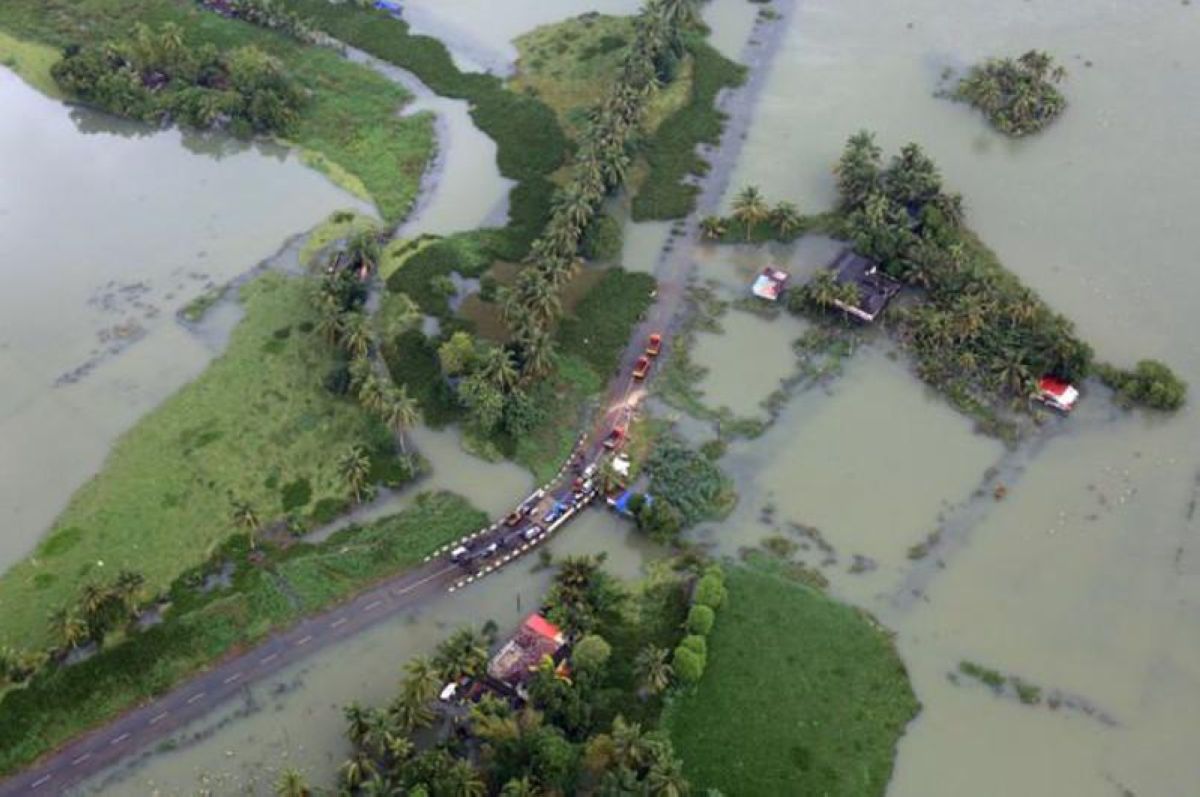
(157, 718)
(304, 640)
(195, 697)
(232, 678)
(81, 759)
(337, 622)
(119, 739)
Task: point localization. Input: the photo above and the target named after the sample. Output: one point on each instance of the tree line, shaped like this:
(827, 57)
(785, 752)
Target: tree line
(156, 76)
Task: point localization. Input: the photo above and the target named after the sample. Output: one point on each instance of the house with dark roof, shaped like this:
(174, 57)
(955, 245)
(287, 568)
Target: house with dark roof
(875, 289)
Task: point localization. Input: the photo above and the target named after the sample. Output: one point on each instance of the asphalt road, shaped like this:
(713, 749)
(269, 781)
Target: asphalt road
(141, 727)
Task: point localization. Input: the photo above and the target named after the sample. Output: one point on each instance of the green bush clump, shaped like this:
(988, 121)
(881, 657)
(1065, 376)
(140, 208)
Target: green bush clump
(688, 665)
(412, 361)
(156, 76)
(688, 481)
(710, 592)
(700, 619)
(696, 644)
(295, 494)
(603, 239)
(1019, 96)
(1150, 384)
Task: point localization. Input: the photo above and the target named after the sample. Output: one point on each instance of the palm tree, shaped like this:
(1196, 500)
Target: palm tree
(291, 784)
(69, 627)
(128, 587)
(464, 780)
(355, 467)
(500, 369)
(358, 723)
(360, 371)
(630, 747)
(329, 318)
(538, 349)
(464, 653)
(823, 289)
(92, 598)
(356, 335)
(539, 297)
(665, 778)
(750, 208)
(421, 678)
(653, 669)
(410, 711)
(357, 770)
(786, 218)
(520, 787)
(372, 394)
(713, 227)
(400, 414)
(245, 517)
(363, 250)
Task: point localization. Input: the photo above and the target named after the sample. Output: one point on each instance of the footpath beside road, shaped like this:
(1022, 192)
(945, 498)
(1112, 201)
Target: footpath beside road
(142, 727)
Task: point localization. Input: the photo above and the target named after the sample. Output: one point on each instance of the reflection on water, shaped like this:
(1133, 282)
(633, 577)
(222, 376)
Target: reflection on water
(295, 718)
(107, 235)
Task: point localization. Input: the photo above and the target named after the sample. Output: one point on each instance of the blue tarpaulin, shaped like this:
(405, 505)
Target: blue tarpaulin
(390, 6)
(622, 502)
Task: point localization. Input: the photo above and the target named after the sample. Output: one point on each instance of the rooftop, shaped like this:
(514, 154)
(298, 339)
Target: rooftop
(875, 289)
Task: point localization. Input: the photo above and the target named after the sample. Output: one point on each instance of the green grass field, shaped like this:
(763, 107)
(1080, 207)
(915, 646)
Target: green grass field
(257, 419)
(350, 127)
(201, 626)
(802, 696)
(670, 154)
(569, 66)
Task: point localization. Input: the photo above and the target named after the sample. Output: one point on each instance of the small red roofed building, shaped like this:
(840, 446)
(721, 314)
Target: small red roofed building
(521, 656)
(1056, 393)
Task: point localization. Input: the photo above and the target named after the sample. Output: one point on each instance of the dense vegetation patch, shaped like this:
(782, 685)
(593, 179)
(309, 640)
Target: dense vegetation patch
(670, 152)
(258, 419)
(271, 590)
(688, 481)
(156, 76)
(587, 727)
(1019, 96)
(1150, 384)
(801, 695)
(349, 121)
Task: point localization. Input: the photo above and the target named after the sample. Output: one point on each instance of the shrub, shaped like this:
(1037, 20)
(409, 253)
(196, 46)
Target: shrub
(688, 665)
(700, 619)
(591, 653)
(688, 481)
(296, 494)
(696, 644)
(710, 592)
(603, 239)
(1150, 384)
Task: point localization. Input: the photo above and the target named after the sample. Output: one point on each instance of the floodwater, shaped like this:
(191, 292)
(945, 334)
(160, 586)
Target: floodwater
(479, 33)
(295, 718)
(746, 361)
(109, 229)
(1083, 577)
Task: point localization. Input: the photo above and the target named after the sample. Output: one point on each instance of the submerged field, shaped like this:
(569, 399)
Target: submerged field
(802, 696)
(350, 126)
(257, 426)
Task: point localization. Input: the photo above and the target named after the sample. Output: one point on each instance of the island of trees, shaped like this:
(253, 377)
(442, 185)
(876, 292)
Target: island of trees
(1019, 95)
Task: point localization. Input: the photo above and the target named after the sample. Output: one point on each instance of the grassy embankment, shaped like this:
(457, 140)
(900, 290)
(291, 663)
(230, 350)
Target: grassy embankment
(801, 696)
(255, 423)
(669, 155)
(30, 60)
(201, 626)
(349, 127)
(568, 65)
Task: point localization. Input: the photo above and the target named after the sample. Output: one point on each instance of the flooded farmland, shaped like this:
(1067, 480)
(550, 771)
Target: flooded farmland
(1083, 578)
(1080, 577)
(110, 228)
